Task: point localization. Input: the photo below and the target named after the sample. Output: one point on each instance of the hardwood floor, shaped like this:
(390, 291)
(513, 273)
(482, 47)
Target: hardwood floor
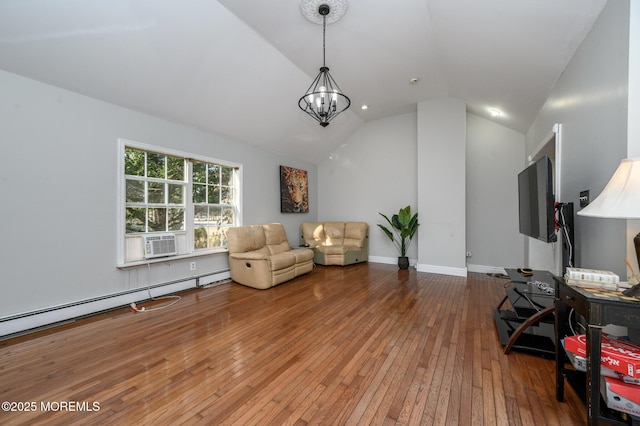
(362, 344)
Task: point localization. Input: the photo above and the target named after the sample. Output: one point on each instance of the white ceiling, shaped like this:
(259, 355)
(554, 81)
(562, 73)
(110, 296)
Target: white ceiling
(238, 67)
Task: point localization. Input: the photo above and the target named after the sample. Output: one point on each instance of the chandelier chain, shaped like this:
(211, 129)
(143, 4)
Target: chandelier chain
(324, 31)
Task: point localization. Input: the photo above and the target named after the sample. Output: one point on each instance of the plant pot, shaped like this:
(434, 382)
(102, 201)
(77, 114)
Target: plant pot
(403, 262)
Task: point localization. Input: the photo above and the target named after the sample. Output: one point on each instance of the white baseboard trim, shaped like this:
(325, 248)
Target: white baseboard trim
(483, 269)
(26, 321)
(390, 260)
(444, 270)
(214, 279)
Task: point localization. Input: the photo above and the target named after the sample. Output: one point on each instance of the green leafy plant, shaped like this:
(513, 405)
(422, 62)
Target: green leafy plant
(403, 228)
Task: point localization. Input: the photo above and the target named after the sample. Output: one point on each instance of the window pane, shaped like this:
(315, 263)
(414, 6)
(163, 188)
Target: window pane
(135, 219)
(214, 195)
(175, 168)
(157, 220)
(176, 194)
(225, 195)
(176, 219)
(199, 172)
(214, 215)
(156, 193)
(217, 236)
(221, 236)
(155, 165)
(227, 216)
(133, 162)
(214, 174)
(227, 176)
(135, 191)
(199, 193)
(200, 238)
(200, 215)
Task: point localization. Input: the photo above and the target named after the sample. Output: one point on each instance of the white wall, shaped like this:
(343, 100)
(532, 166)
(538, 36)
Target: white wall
(441, 189)
(495, 156)
(633, 124)
(590, 101)
(376, 170)
(373, 171)
(58, 180)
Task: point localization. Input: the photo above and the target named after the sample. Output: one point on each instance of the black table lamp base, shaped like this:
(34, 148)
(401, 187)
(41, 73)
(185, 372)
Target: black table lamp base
(635, 290)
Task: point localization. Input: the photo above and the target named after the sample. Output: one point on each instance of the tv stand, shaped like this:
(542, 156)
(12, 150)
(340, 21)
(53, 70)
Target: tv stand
(528, 326)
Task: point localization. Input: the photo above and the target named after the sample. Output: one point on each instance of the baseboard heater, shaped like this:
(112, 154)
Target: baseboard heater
(27, 322)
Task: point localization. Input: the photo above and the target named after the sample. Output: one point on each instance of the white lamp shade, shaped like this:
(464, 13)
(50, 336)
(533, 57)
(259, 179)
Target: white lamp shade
(620, 199)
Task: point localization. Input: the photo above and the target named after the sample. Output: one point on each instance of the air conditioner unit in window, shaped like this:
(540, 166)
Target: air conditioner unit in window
(159, 245)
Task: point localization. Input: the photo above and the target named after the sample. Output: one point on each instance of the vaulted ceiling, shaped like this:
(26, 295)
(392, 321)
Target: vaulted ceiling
(238, 67)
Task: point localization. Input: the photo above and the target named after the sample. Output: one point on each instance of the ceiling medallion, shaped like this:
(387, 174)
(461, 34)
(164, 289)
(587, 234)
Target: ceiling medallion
(309, 9)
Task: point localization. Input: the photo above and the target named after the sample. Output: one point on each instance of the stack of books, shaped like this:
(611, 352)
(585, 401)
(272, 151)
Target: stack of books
(592, 278)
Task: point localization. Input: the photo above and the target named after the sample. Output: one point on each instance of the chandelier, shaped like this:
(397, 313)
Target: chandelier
(324, 99)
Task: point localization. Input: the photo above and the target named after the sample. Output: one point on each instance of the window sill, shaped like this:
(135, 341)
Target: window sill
(145, 262)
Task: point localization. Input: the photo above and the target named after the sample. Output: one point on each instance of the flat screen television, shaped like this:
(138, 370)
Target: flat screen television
(536, 201)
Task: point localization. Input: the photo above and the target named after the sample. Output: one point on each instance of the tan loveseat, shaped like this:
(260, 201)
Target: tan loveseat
(336, 243)
(260, 256)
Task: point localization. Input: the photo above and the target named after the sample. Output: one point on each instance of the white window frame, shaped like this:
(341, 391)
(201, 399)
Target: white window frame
(186, 249)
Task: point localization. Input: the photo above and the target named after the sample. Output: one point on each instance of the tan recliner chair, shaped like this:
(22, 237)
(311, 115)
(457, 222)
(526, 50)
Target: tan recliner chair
(260, 256)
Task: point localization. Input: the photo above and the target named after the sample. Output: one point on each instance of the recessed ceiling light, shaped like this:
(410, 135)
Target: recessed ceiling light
(495, 112)
(365, 107)
(414, 80)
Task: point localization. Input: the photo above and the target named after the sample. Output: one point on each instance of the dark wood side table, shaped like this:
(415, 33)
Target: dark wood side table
(599, 308)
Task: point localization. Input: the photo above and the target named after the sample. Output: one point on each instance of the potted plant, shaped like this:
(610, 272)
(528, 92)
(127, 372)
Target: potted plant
(403, 228)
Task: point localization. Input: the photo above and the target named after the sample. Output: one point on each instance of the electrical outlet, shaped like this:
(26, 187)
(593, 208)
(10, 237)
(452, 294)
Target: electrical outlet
(193, 266)
(584, 198)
